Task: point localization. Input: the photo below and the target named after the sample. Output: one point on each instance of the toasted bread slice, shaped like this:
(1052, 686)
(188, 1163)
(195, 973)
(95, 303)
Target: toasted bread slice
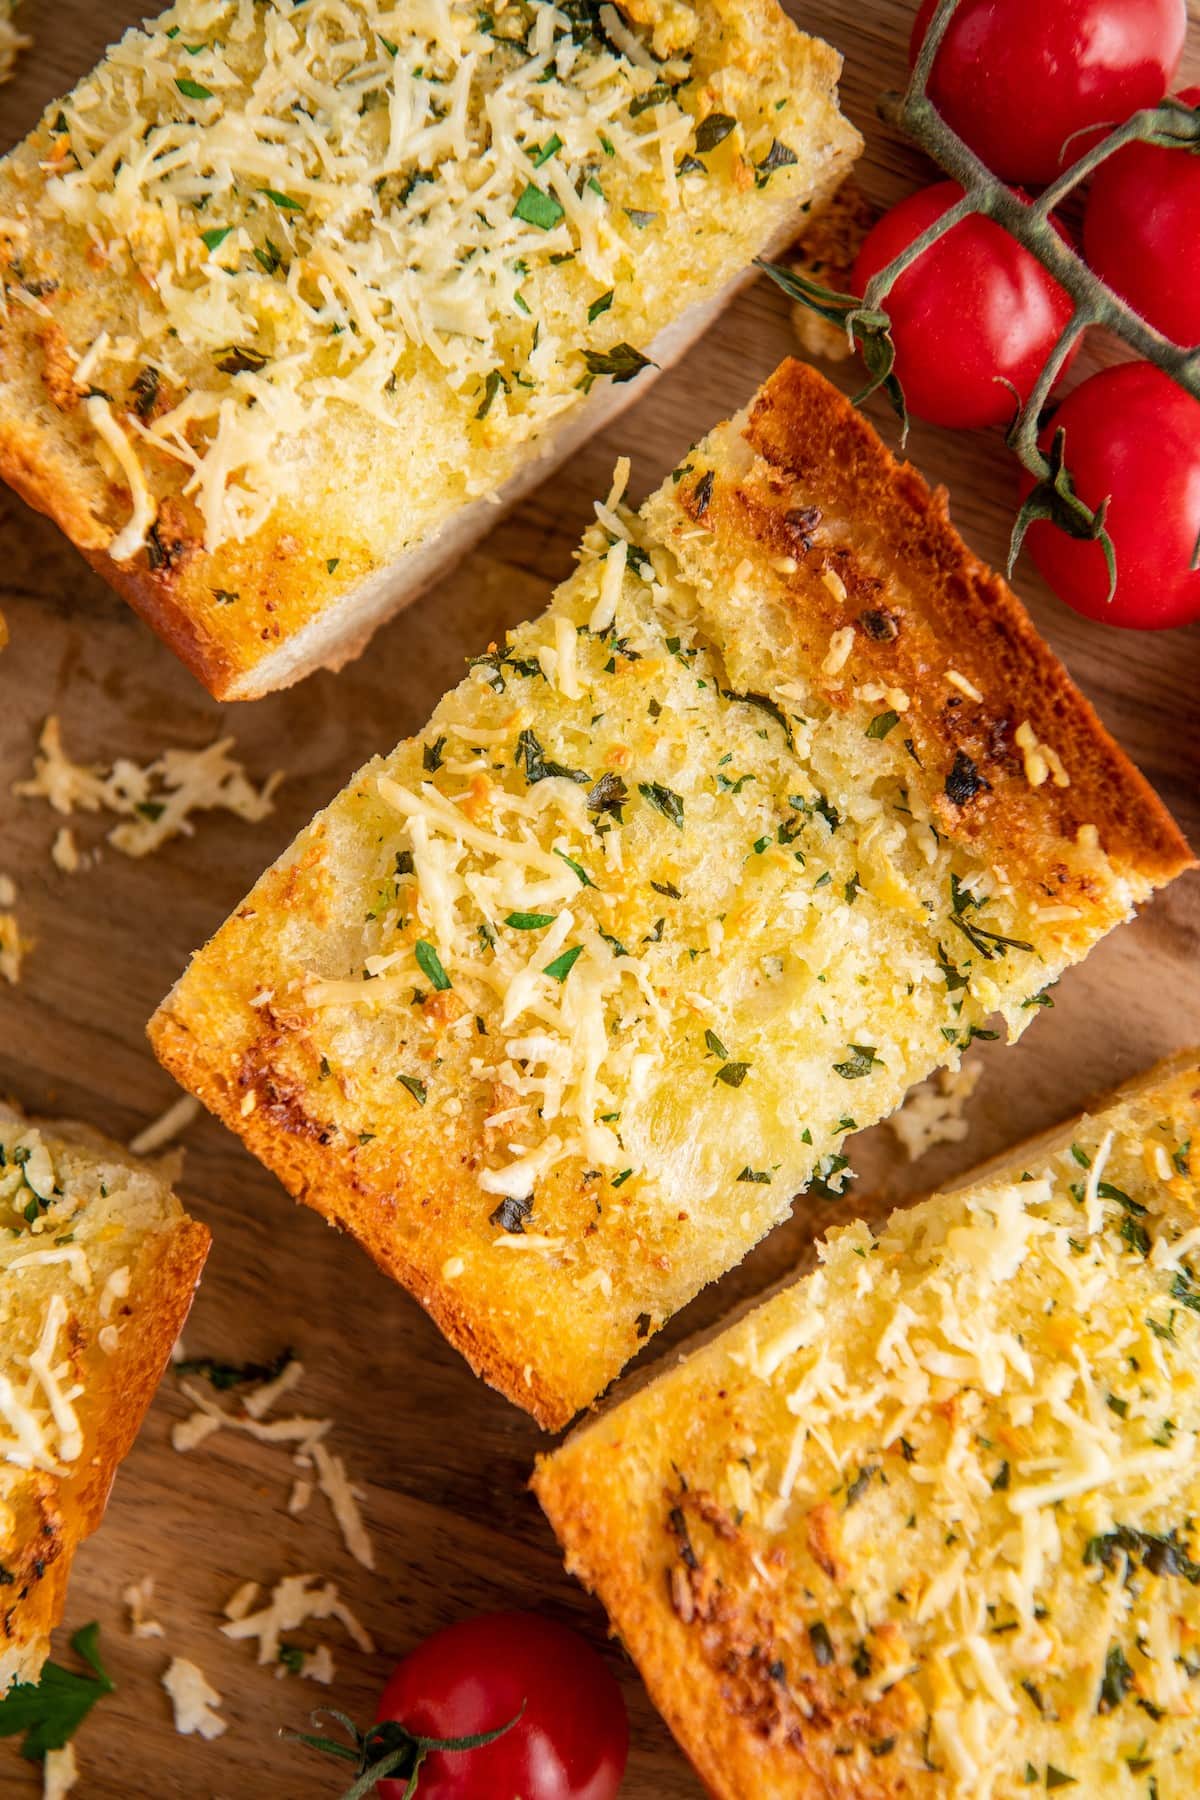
(558, 1005)
(297, 297)
(98, 1265)
(925, 1523)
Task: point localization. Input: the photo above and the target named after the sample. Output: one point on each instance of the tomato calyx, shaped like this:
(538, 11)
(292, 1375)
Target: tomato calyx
(868, 327)
(1053, 497)
(388, 1750)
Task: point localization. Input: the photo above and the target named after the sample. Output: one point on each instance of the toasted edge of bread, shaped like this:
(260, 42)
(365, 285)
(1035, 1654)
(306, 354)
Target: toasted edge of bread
(585, 1520)
(119, 1391)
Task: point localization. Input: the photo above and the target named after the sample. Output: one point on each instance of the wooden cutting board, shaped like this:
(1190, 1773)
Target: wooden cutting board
(442, 1461)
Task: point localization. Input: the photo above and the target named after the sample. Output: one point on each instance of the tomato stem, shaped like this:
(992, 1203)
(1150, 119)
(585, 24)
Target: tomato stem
(1172, 124)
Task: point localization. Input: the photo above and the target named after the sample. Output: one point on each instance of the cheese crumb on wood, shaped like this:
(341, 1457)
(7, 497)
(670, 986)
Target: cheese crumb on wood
(64, 851)
(12, 42)
(13, 946)
(156, 801)
(932, 1111)
(194, 1700)
(138, 1597)
(60, 1771)
(343, 1500)
(159, 1133)
(294, 1601)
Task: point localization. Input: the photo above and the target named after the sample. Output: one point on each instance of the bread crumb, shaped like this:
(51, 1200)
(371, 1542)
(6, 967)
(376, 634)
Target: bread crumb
(932, 1111)
(138, 1597)
(194, 1700)
(241, 1600)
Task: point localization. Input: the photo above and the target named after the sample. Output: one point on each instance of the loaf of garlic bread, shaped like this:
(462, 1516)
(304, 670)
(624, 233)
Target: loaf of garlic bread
(925, 1522)
(559, 1004)
(298, 290)
(98, 1265)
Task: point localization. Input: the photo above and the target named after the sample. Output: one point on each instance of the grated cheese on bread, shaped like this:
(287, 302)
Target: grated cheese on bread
(297, 290)
(557, 1006)
(98, 1265)
(925, 1522)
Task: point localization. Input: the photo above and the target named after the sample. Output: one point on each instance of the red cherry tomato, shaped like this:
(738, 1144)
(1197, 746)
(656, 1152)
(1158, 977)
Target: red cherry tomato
(570, 1742)
(973, 309)
(1141, 232)
(1018, 78)
(1134, 436)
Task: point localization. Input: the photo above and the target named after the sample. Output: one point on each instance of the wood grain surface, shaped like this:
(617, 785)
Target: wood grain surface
(442, 1461)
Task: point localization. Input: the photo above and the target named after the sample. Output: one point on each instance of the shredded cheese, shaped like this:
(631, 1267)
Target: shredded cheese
(156, 802)
(194, 1699)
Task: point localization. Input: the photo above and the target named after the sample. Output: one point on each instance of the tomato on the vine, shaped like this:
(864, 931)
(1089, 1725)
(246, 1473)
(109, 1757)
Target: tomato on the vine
(974, 312)
(567, 1736)
(1141, 232)
(1131, 436)
(1020, 79)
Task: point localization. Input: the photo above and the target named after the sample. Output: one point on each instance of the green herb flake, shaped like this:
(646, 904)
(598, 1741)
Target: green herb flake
(416, 1088)
(50, 1712)
(733, 1074)
(192, 90)
(214, 238)
(715, 1046)
(881, 724)
(284, 202)
(551, 146)
(713, 131)
(622, 362)
(862, 1060)
(577, 869)
(562, 965)
(757, 1175)
(664, 799)
(430, 965)
(1058, 1778)
(600, 305)
(431, 755)
(538, 208)
(527, 921)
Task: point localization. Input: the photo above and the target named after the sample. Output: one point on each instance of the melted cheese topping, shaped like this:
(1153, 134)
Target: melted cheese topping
(332, 207)
(603, 891)
(964, 1459)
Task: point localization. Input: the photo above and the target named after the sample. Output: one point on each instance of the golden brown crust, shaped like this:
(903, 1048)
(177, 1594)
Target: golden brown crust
(282, 1133)
(882, 533)
(227, 611)
(120, 1389)
(701, 1626)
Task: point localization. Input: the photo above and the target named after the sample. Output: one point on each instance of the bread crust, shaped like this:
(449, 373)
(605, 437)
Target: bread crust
(600, 1478)
(883, 530)
(316, 558)
(119, 1387)
(237, 1030)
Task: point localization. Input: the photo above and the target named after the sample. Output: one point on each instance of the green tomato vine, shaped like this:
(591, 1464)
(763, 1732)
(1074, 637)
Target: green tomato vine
(1170, 125)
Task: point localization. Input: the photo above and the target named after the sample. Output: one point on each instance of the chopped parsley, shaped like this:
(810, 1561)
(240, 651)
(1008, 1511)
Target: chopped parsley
(430, 965)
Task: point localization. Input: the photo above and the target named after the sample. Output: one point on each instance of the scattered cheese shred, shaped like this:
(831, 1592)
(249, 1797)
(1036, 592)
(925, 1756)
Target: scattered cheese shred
(13, 946)
(60, 1771)
(294, 1601)
(12, 42)
(155, 801)
(194, 1700)
(932, 1112)
(160, 1132)
(138, 1598)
